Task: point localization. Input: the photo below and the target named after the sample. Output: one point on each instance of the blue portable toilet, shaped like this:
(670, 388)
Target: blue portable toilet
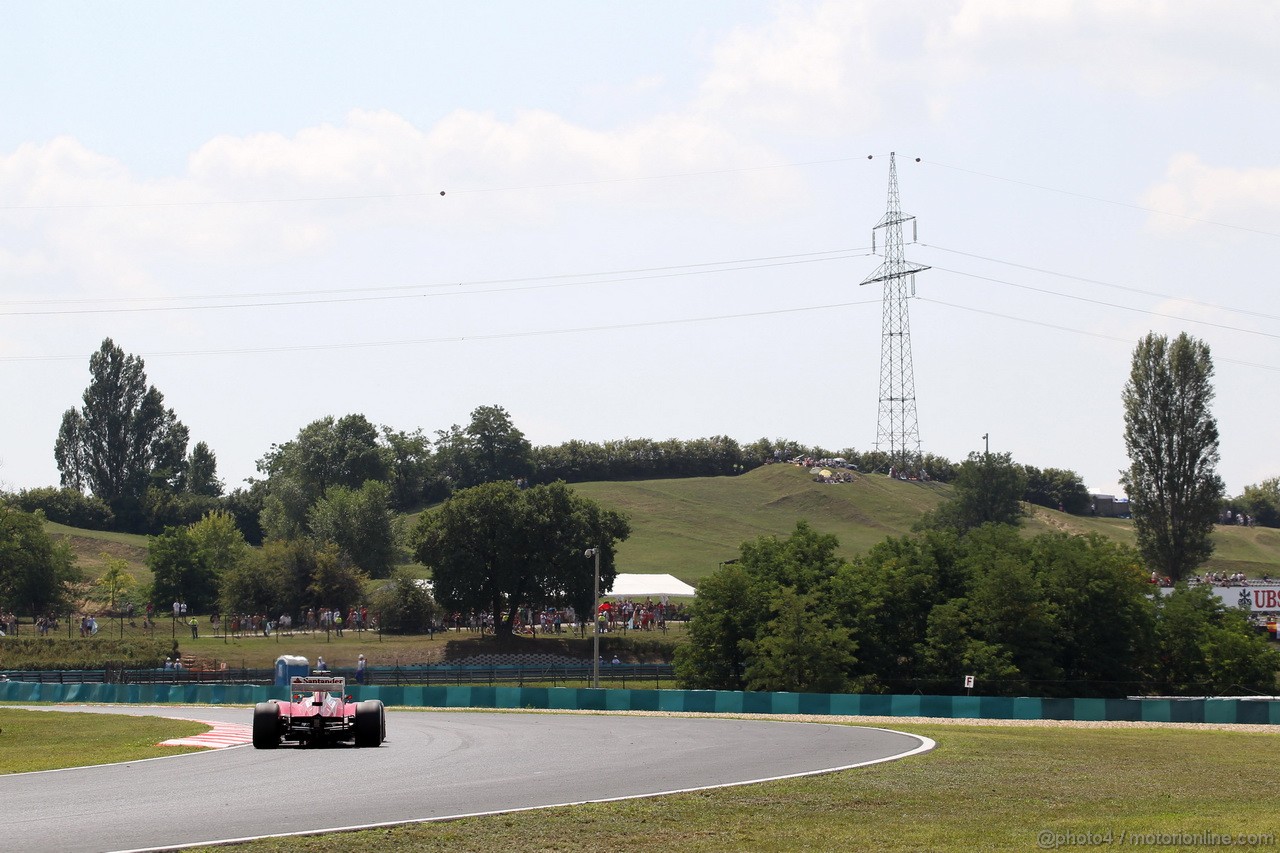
(287, 666)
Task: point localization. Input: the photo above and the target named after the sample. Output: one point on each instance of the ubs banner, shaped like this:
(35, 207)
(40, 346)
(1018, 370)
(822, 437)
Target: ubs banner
(1259, 599)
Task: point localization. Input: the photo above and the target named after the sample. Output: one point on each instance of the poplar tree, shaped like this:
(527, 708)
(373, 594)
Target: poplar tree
(122, 439)
(1175, 493)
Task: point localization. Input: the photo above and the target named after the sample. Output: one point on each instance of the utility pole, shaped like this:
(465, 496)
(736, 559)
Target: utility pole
(595, 620)
(897, 429)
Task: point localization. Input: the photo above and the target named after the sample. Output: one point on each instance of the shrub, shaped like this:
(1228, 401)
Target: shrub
(67, 506)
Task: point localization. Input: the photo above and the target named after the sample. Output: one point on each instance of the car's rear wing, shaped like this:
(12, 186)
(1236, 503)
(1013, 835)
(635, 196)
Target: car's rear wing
(318, 684)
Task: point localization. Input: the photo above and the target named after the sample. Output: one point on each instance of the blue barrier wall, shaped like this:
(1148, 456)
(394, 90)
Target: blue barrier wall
(1265, 712)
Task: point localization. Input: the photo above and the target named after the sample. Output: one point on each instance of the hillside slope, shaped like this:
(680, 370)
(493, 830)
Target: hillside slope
(687, 527)
(92, 548)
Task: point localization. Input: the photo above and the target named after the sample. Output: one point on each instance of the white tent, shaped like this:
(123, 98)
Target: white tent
(640, 586)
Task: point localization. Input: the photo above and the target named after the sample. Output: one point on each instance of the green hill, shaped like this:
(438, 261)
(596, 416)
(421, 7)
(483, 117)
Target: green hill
(687, 527)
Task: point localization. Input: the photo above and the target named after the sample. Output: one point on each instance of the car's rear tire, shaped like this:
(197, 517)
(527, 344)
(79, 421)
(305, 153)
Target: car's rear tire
(266, 725)
(371, 726)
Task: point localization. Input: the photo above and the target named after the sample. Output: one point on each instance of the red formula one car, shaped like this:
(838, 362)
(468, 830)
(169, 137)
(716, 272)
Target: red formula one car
(320, 713)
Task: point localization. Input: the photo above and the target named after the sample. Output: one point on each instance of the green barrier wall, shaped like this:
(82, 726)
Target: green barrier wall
(1265, 712)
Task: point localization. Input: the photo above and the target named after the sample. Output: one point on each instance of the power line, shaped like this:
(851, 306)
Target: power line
(1127, 289)
(1100, 302)
(1073, 331)
(1101, 200)
(463, 338)
(421, 194)
(270, 294)
(459, 288)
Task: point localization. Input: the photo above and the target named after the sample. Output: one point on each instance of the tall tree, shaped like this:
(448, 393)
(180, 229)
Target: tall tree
(1056, 488)
(336, 581)
(803, 648)
(328, 452)
(359, 522)
(490, 448)
(497, 547)
(34, 570)
(202, 472)
(1261, 502)
(769, 618)
(412, 468)
(499, 450)
(220, 541)
(725, 616)
(988, 490)
(123, 438)
(181, 571)
(256, 587)
(1174, 490)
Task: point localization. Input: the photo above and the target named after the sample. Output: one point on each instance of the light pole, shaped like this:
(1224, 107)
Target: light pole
(595, 619)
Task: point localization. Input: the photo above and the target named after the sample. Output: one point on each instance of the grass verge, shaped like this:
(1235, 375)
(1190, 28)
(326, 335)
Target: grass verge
(49, 740)
(983, 788)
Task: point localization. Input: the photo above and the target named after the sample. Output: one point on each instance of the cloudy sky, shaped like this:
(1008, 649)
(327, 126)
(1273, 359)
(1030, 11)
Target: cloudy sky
(645, 219)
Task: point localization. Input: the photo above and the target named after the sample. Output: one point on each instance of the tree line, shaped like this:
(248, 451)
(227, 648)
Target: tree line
(124, 464)
(969, 595)
(1052, 615)
(339, 484)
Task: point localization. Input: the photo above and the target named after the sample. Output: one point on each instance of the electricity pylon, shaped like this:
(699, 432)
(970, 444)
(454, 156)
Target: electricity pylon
(897, 430)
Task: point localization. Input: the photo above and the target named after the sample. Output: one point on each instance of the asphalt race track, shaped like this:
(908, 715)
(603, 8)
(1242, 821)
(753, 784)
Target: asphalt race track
(433, 765)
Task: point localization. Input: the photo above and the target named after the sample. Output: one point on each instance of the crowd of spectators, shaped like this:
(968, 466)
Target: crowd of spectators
(1222, 579)
(619, 614)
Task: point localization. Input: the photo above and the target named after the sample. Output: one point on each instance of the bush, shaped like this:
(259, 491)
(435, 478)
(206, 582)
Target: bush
(403, 605)
(67, 506)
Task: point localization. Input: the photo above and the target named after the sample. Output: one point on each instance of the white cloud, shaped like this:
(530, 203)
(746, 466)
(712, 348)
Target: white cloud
(109, 230)
(806, 65)
(841, 67)
(1152, 48)
(1193, 190)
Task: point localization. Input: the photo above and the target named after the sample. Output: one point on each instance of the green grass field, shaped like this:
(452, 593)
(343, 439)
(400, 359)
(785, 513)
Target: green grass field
(46, 740)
